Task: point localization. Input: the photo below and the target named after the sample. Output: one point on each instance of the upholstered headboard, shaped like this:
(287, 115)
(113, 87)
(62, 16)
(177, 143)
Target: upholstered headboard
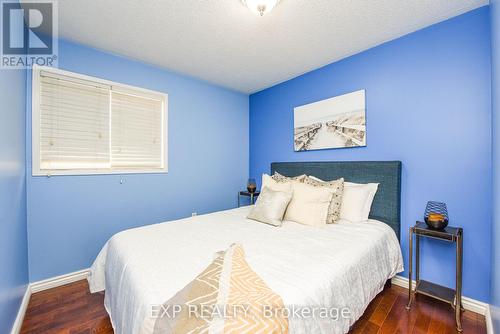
(386, 205)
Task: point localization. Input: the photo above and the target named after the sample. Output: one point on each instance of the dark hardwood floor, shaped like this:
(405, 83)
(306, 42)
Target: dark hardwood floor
(71, 309)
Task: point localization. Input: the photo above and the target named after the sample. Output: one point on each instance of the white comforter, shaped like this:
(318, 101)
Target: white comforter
(340, 265)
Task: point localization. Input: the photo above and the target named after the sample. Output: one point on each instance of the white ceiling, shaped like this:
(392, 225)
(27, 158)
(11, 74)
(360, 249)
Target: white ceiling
(222, 42)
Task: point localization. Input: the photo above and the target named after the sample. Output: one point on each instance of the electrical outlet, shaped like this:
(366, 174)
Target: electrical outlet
(194, 214)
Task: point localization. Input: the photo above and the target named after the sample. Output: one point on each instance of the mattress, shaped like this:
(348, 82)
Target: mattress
(337, 267)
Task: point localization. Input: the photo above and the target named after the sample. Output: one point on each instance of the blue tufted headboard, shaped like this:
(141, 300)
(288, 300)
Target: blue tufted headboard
(386, 205)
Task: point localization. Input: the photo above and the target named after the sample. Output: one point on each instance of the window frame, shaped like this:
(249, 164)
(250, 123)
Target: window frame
(36, 118)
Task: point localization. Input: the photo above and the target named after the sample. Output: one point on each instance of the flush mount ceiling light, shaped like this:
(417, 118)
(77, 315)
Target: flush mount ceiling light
(260, 7)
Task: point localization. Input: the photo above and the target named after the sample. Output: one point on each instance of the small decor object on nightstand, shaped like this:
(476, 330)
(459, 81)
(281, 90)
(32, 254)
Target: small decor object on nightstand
(251, 186)
(436, 215)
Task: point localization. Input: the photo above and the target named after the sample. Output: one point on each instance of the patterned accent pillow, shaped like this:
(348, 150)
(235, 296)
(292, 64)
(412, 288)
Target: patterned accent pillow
(281, 178)
(335, 204)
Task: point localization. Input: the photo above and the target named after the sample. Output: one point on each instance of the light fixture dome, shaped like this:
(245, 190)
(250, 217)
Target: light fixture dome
(260, 7)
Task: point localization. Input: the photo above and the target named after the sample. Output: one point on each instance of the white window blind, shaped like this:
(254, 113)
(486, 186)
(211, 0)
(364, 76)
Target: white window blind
(74, 124)
(136, 131)
(84, 125)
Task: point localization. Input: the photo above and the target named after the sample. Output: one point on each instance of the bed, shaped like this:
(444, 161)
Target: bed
(340, 266)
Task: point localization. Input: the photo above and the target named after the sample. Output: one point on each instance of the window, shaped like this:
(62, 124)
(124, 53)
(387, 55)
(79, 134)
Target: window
(85, 125)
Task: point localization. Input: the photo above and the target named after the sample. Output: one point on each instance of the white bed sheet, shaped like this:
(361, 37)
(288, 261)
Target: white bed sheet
(340, 265)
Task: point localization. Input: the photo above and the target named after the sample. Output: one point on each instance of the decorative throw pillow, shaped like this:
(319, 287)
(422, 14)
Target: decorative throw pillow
(269, 182)
(357, 201)
(309, 204)
(335, 204)
(282, 178)
(270, 206)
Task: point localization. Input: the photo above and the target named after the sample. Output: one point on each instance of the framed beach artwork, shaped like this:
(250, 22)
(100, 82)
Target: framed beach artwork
(337, 122)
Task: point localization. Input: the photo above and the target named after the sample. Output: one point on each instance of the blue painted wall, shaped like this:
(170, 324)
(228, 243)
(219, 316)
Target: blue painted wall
(13, 240)
(71, 217)
(428, 105)
(495, 241)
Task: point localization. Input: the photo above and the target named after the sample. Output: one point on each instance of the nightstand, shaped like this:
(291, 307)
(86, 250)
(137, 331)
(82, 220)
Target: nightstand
(448, 295)
(252, 196)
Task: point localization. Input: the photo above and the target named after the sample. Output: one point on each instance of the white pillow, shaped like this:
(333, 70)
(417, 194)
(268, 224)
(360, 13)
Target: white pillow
(309, 204)
(270, 206)
(269, 182)
(357, 201)
(316, 178)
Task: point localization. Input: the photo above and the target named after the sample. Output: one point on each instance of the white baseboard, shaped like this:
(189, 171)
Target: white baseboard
(45, 284)
(489, 321)
(59, 280)
(469, 304)
(18, 323)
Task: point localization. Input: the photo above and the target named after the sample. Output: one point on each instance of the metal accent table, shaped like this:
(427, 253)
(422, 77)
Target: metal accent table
(448, 295)
(252, 196)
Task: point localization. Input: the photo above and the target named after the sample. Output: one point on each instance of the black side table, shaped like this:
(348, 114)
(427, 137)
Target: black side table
(450, 296)
(252, 196)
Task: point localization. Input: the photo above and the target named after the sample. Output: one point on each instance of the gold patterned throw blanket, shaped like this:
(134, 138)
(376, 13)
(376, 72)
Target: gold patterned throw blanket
(227, 297)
